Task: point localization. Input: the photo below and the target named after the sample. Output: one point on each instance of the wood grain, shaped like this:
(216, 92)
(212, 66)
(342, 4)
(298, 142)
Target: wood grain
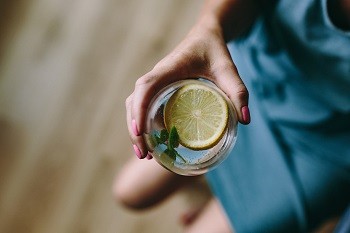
(66, 68)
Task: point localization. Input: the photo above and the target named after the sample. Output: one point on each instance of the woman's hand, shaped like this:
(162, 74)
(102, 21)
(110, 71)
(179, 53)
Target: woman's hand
(203, 53)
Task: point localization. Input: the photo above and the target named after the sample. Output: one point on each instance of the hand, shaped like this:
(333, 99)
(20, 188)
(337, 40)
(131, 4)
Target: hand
(203, 53)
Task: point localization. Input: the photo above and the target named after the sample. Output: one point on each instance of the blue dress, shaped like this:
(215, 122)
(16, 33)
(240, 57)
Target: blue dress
(290, 168)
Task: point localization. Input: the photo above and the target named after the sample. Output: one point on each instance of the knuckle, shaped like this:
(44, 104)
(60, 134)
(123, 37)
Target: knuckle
(128, 101)
(144, 80)
(175, 63)
(144, 106)
(224, 66)
(242, 92)
(160, 64)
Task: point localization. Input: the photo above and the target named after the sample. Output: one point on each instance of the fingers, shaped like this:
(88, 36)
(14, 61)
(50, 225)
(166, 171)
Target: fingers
(144, 92)
(213, 62)
(226, 77)
(148, 86)
(139, 146)
(137, 104)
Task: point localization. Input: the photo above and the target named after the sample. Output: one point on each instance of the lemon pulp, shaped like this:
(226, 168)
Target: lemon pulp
(200, 115)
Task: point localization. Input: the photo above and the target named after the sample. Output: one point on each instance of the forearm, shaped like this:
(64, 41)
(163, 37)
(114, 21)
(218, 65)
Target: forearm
(230, 17)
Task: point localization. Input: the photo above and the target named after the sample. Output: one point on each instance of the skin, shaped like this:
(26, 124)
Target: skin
(202, 53)
(156, 185)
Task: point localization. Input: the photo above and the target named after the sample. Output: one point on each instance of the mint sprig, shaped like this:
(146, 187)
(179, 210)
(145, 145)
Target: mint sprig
(163, 137)
(171, 140)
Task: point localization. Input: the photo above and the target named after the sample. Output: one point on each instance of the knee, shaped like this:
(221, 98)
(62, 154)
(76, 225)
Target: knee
(124, 194)
(140, 185)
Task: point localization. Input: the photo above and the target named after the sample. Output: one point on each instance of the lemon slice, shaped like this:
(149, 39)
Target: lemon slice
(200, 115)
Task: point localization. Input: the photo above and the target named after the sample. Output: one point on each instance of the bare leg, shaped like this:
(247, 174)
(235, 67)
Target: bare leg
(210, 219)
(141, 184)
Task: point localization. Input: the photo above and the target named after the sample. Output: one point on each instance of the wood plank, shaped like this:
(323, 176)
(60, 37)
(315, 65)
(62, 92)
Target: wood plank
(66, 68)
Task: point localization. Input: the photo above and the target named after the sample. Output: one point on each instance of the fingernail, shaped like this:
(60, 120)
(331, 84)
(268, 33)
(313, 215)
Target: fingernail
(246, 114)
(149, 156)
(137, 151)
(134, 128)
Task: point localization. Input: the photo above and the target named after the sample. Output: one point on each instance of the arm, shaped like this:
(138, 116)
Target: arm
(233, 17)
(203, 53)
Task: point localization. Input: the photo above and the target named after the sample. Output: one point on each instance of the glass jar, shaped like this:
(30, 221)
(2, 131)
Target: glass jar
(183, 160)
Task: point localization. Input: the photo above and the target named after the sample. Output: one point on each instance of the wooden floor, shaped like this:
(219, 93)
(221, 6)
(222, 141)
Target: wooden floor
(66, 68)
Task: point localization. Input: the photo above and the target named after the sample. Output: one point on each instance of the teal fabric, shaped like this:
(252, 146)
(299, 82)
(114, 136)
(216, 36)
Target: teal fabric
(343, 225)
(290, 168)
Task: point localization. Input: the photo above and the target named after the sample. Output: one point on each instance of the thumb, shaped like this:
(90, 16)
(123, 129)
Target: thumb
(227, 79)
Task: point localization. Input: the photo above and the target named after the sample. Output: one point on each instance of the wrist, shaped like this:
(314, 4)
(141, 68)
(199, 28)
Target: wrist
(230, 18)
(210, 23)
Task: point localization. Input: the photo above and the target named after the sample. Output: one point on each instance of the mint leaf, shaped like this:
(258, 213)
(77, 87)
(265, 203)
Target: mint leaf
(164, 135)
(157, 139)
(171, 153)
(173, 141)
(178, 155)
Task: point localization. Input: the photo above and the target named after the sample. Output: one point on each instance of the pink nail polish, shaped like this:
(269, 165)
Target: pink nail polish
(137, 151)
(149, 156)
(246, 114)
(134, 128)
